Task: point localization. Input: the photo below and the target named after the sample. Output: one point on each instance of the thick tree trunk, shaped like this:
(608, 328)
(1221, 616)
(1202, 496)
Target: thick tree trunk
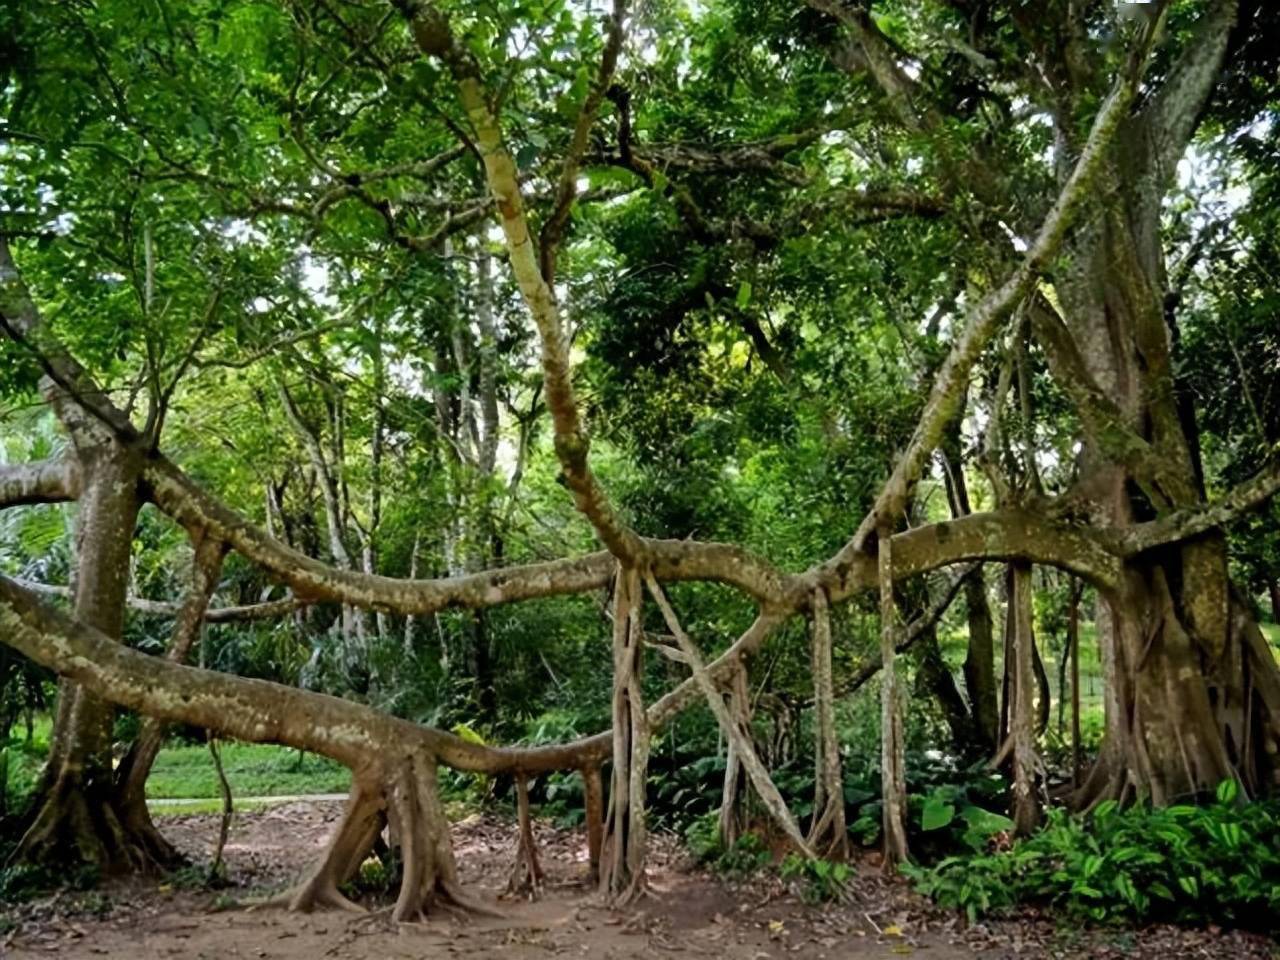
(1191, 699)
(76, 818)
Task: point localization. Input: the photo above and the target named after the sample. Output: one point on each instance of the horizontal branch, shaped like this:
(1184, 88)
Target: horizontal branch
(313, 580)
(44, 481)
(259, 711)
(240, 613)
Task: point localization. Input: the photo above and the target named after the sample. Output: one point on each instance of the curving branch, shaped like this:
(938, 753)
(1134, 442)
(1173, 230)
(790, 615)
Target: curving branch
(44, 481)
(1176, 108)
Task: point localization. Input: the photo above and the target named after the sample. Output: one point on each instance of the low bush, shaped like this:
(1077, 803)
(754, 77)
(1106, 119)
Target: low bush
(1214, 863)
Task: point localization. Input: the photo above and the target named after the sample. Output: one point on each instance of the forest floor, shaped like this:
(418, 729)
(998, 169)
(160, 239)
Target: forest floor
(688, 913)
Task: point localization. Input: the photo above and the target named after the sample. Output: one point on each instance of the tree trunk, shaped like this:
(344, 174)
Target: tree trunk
(622, 876)
(1275, 601)
(980, 656)
(76, 819)
(1026, 807)
(731, 792)
(828, 835)
(131, 776)
(893, 777)
(935, 679)
(1191, 697)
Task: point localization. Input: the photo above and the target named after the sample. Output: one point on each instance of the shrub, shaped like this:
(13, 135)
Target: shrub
(1218, 862)
(818, 881)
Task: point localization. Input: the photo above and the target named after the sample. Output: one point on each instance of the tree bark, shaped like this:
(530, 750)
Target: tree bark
(731, 793)
(892, 760)
(131, 775)
(828, 833)
(76, 818)
(1026, 807)
(623, 871)
(765, 789)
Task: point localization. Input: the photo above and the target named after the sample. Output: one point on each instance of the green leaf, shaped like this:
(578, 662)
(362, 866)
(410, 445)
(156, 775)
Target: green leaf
(744, 294)
(1228, 790)
(937, 814)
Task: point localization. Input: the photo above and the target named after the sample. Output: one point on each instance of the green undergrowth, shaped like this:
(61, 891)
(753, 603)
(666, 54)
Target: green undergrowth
(1217, 863)
(253, 770)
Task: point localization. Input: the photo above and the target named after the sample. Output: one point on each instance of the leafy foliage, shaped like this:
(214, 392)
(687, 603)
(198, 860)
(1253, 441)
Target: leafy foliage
(1187, 863)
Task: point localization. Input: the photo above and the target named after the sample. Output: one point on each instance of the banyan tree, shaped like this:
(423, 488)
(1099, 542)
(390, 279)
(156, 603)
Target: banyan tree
(1043, 140)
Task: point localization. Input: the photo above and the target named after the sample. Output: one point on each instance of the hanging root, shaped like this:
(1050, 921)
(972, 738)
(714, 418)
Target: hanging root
(526, 874)
(829, 836)
(622, 878)
(593, 797)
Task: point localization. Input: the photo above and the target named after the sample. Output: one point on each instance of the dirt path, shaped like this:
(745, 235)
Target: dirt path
(689, 914)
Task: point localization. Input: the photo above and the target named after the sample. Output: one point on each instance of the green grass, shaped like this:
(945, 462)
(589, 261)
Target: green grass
(1272, 632)
(185, 770)
(205, 806)
(253, 770)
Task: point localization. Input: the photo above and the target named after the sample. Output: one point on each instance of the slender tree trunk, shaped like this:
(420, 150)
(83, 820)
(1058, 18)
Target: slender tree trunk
(1026, 807)
(829, 835)
(935, 678)
(131, 775)
(1073, 640)
(622, 875)
(892, 760)
(980, 656)
(731, 792)
(1275, 601)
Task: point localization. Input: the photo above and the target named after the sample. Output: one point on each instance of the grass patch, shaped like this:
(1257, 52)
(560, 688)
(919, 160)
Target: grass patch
(187, 807)
(253, 770)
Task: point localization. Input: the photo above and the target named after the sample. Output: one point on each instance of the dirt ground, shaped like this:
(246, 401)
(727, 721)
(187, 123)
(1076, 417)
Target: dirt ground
(687, 914)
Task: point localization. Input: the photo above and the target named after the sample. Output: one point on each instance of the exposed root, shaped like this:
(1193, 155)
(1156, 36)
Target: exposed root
(78, 823)
(352, 841)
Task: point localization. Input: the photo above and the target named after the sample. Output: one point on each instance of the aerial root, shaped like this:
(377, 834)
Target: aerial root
(526, 874)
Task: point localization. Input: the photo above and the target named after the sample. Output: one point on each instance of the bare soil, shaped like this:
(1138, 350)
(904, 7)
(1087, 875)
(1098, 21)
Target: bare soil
(687, 914)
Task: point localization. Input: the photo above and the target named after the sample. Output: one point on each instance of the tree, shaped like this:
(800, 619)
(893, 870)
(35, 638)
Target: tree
(351, 199)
